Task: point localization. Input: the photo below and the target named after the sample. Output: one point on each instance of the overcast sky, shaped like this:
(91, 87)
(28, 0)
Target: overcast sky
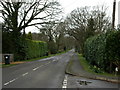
(69, 5)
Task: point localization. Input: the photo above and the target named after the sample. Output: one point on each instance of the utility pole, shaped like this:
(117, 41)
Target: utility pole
(113, 15)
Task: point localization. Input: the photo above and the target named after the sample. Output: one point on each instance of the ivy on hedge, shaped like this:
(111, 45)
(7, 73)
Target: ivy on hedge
(103, 50)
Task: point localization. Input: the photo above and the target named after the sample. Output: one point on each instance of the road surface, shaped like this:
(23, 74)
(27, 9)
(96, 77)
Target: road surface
(46, 73)
(80, 82)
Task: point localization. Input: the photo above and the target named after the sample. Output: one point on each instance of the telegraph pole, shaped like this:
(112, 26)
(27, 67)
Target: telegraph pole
(113, 15)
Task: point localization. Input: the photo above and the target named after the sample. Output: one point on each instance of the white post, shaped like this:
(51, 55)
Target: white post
(116, 70)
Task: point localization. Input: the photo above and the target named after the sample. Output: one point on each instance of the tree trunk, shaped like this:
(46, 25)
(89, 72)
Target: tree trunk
(110, 67)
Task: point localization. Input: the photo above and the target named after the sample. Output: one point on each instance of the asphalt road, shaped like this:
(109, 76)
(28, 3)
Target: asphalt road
(44, 73)
(48, 73)
(80, 82)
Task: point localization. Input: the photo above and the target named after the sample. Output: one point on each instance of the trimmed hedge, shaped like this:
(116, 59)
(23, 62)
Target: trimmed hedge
(30, 49)
(103, 50)
(35, 49)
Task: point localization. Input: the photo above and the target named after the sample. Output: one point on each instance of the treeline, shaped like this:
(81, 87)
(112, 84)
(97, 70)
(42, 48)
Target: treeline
(102, 51)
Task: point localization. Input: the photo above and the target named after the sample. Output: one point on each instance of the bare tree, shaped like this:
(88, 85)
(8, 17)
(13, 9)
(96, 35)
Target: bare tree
(84, 22)
(19, 15)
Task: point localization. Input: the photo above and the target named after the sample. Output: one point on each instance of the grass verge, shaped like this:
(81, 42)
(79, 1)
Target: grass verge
(3, 65)
(68, 67)
(23, 61)
(86, 67)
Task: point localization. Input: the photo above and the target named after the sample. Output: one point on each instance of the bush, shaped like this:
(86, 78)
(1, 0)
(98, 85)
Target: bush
(103, 50)
(35, 49)
(113, 49)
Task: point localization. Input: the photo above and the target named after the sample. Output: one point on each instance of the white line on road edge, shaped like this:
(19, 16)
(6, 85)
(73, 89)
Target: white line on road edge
(35, 68)
(10, 82)
(25, 74)
(65, 82)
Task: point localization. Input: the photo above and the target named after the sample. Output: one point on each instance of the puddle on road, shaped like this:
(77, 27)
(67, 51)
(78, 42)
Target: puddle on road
(83, 82)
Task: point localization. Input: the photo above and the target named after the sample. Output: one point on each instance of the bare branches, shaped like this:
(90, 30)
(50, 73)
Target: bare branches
(79, 18)
(23, 13)
(84, 22)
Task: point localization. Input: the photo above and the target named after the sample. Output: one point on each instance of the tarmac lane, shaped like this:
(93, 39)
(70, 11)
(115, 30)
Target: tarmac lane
(85, 84)
(50, 73)
(46, 73)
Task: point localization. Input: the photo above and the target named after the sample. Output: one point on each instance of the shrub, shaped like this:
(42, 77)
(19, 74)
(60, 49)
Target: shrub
(113, 48)
(103, 50)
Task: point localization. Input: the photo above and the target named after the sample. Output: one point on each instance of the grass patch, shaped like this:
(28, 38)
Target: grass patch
(86, 67)
(84, 64)
(3, 65)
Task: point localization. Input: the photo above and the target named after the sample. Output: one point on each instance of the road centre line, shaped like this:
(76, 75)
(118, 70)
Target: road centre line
(25, 74)
(10, 82)
(65, 82)
(35, 68)
(41, 66)
(6, 83)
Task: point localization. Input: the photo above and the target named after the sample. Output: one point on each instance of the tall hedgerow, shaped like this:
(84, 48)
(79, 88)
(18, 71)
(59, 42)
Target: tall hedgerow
(103, 50)
(35, 49)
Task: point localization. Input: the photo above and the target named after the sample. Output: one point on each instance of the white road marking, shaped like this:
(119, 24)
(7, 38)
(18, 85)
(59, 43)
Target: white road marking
(65, 82)
(10, 82)
(64, 86)
(25, 74)
(35, 68)
(6, 83)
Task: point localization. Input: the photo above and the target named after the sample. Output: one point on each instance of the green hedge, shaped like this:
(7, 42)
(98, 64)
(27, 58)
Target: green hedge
(103, 50)
(35, 49)
(113, 48)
